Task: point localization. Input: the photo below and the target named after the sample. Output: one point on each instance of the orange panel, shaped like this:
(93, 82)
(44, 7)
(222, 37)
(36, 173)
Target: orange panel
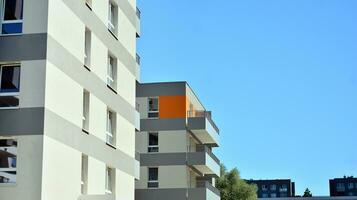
(172, 106)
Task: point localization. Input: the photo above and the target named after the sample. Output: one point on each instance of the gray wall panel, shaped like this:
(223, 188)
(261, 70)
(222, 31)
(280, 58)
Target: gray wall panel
(161, 89)
(23, 121)
(163, 124)
(23, 47)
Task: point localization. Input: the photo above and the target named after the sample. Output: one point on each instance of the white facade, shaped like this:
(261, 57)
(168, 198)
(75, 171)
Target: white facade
(47, 123)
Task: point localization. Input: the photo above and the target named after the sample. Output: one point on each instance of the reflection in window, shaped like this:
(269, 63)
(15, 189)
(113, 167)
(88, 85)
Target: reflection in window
(11, 16)
(153, 142)
(9, 85)
(153, 107)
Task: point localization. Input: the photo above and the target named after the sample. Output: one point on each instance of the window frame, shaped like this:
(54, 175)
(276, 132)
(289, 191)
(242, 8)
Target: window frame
(87, 47)
(3, 21)
(111, 124)
(113, 18)
(86, 111)
(109, 180)
(112, 71)
(10, 169)
(153, 111)
(9, 94)
(153, 181)
(153, 146)
(84, 174)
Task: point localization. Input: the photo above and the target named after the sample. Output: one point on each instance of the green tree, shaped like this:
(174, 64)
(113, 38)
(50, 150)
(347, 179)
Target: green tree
(232, 187)
(307, 193)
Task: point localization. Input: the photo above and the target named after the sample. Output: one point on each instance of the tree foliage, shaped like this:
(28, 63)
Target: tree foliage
(232, 187)
(307, 193)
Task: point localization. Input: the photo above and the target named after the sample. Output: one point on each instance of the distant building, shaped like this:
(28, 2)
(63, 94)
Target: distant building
(311, 198)
(346, 186)
(274, 188)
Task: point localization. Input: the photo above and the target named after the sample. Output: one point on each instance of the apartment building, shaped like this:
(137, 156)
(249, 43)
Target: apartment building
(68, 73)
(175, 144)
(274, 188)
(346, 186)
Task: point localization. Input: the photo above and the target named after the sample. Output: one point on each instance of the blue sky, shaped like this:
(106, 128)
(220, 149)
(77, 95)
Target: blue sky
(280, 77)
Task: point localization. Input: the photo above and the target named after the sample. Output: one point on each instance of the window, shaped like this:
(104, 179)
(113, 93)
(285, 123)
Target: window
(283, 188)
(153, 142)
(265, 195)
(112, 18)
(11, 16)
(111, 127)
(340, 187)
(273, 195)
(85, 118)
(111, 72)
(87, 47)
(9, 85)
(84, 174)
(8, 161)
(350, 185)
(153, 107)
(264, 187)
(109, 180)
(273, 187)
(350, 194)
(153, 178)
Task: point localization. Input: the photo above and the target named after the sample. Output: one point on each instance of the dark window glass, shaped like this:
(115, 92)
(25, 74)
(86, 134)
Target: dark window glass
(153, 139)
(153, 174)
(12, 28)
(9, 101)
(10, 79)
(13, 10)
(153, 104)
(153, 142)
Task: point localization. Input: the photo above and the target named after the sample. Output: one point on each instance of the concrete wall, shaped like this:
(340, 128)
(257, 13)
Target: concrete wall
(49, 161)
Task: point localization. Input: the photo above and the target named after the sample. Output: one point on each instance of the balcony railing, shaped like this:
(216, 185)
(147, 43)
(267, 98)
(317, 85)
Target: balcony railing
(203, 148)
(208, 185)
(138, 13)
(202, 113)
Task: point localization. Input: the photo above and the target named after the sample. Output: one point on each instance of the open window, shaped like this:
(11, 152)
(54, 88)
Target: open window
(153, 146)
(9, 85)
(84, 174)
(153, 104)
(112, 72)
(85, 117)
(111, 128)
(87, 48)
(113, 18)
(8, 161)
(110, 180)
(11, 16)
(153, 177)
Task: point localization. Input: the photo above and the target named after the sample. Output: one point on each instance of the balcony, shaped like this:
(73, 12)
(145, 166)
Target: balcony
(202, 125)
(204, 161)
(201, 191)
(138, 16)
